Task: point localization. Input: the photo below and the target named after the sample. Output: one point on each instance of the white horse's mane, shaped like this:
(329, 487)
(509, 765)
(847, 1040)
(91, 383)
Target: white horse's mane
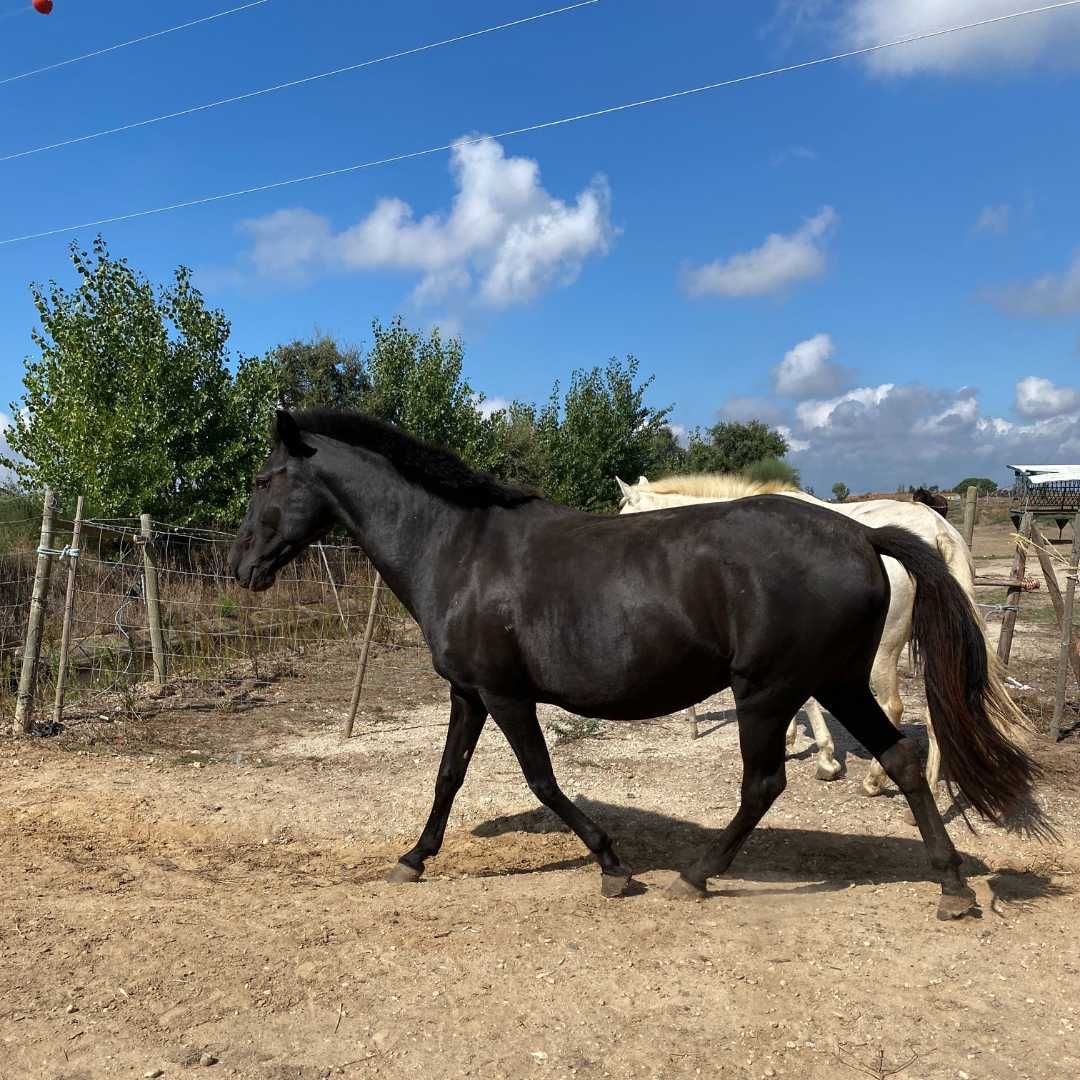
(717, 486)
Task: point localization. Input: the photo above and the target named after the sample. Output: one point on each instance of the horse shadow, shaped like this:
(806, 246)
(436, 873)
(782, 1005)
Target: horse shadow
(805, 860)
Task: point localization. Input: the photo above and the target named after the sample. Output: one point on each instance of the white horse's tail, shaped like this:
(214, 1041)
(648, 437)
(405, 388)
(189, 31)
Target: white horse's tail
(954, 552)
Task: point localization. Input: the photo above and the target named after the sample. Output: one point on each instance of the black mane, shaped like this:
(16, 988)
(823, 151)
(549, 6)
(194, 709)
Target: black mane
(432, 467)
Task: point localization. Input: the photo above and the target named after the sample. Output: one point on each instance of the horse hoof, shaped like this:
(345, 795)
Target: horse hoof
(616, 883)
(403, 873)
(871, 792)
(956, 907)
(829, 772)
(909, 819)
(681, 889)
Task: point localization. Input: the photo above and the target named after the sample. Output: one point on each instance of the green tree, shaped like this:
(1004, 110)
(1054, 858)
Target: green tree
(983, 484)
(417, 383)
(514, 451)
(773, 470)
(132, 403)
(600, 429)
(732, 446)
(319, 371)
(840, 491)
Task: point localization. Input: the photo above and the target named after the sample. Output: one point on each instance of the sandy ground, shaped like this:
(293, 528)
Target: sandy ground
(200, 892)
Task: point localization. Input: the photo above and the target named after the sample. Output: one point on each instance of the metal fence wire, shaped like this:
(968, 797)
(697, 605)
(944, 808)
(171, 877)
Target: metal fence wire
(213, 630)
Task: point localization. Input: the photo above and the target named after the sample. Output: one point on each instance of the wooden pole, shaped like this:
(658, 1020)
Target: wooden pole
(153, 602)
(361, 670)
(333, 585)
(24, 703)
(69, 611)
(1067, 651)
(1015, 591)
(1042, 549)
(970, 504)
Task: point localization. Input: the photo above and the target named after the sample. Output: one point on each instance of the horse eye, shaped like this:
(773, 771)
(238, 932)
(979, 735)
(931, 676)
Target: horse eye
(262, 481)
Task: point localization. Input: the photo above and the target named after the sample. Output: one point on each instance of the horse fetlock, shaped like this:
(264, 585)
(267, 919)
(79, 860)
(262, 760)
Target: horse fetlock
(403, 873)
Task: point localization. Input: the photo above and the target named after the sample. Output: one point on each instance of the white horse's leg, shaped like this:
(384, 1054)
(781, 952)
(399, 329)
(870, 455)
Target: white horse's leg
(885, 674)
(792, 733)
(933, 761)
(693, 721)
(828, 768)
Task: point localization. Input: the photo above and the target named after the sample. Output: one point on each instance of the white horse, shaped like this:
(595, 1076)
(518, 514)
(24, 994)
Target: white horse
(885, 679)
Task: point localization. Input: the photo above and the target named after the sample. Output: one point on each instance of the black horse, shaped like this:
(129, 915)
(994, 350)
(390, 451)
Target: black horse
(933, 500)
(624, 618)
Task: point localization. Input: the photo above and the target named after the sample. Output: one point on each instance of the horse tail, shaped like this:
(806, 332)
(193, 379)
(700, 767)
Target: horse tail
(981, 732)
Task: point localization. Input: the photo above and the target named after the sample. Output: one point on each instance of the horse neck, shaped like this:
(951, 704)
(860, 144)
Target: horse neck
(402, 527)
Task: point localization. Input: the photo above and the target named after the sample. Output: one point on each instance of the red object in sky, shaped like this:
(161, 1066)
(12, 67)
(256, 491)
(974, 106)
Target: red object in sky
(43, 7)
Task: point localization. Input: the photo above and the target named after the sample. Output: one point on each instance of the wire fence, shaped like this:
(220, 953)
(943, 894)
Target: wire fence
(213, 630)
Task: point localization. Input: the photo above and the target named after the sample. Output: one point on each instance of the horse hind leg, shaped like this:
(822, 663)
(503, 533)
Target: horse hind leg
(763, 716)
(828, 768)
(886, 691)
(858, 711)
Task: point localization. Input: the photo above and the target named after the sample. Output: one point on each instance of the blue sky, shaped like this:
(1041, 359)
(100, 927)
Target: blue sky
(881, 255)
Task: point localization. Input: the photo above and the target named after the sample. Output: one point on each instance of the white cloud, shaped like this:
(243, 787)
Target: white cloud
(994, 219)
(813, 415)
(751, 408)
(492, 405)
(874, 438)
(1049, 295)
(781, 261)
(1018, 43)
(807, 371)
(793, 153)
(795, 445)
(1041, 399)
(7, 475)
(1048, 37)
(504, 240)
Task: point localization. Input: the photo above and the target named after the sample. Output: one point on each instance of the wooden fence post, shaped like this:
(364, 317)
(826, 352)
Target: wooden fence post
(24, 703)
(1042, 549)
(970, 505)
(361, 670)
(69, 610)
(333, 585)
(1067, 652)
(153, 603)
(1015, 591)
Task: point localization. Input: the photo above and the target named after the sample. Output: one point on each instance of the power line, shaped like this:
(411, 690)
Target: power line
(542, 126)
(133, 41)
(300, 82)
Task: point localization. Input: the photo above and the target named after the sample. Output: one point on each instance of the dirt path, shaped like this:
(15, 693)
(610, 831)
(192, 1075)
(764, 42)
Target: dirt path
(210, 889)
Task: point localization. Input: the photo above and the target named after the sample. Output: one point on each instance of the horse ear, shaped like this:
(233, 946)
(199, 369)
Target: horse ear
(624, 487)
(290, 436)
(643, 481)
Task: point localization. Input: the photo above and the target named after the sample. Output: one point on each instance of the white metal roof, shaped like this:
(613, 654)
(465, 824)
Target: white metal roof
(1048, 474)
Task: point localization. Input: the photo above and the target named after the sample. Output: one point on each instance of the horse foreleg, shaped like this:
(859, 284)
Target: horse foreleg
(693, 721)
(467, 716)
(517, 721)
(828, 768)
